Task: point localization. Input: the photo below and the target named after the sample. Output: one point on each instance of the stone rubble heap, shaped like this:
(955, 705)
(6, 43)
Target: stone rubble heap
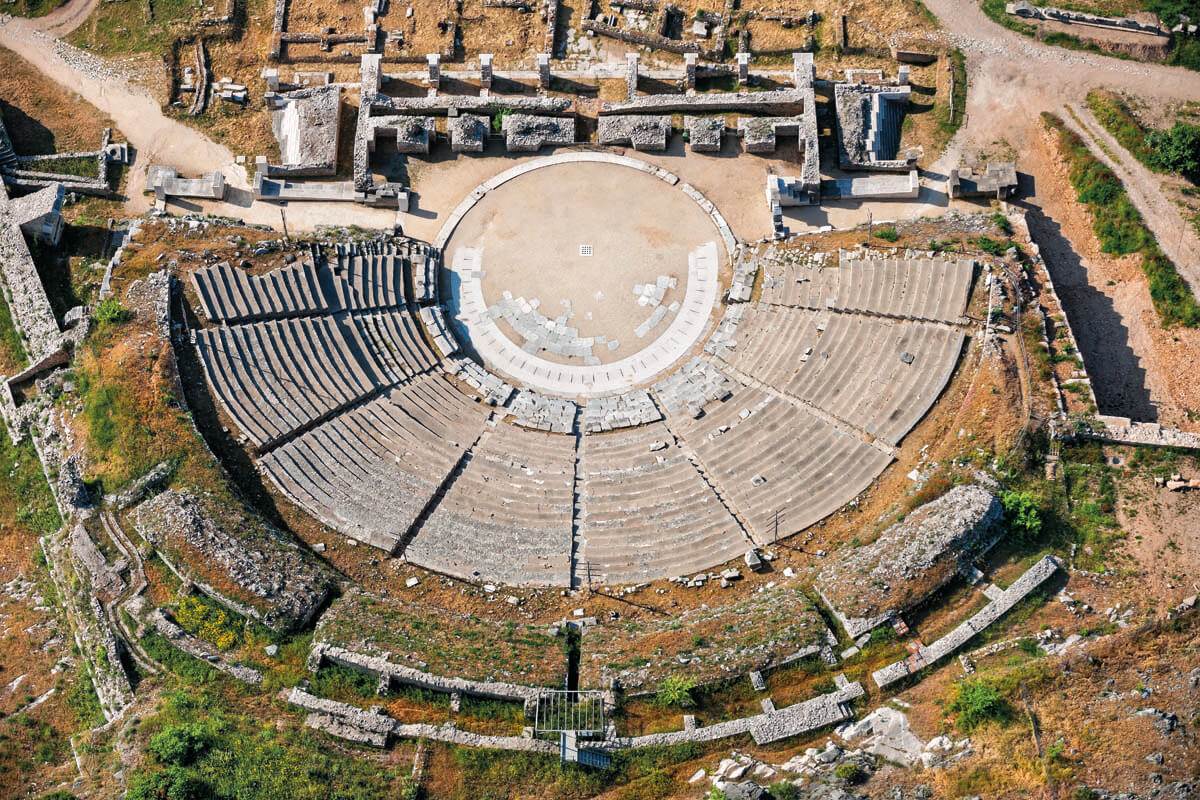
(870, 585)
(537, 411)
(273, 579)
(692, 387)
(620, 411)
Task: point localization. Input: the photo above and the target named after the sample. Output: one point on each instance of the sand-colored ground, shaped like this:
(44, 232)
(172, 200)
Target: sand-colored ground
(640, 229)
(1138, 369)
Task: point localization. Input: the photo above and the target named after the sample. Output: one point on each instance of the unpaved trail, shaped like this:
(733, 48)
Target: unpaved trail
(1013, 78)
(60, 22)
(1174, 235)
(157, 138)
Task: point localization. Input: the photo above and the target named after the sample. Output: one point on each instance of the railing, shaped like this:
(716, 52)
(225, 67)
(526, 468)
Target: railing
(580, 712)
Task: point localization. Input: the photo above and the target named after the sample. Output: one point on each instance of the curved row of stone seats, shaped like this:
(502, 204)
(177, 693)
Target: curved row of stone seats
(275, 378)
(878, 374)
(800, 285)
(395, 343)
(435, 325)
(775, 342)
(507, 514)
(780, 466)
(900, 395)
(924, 288)
(680, 525)
(371, 472)
(370, 280)
(228, 294)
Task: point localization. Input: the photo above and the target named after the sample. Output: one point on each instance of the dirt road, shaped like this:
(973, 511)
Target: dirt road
(63, 20)
(1175, 236)
(158, 139)
(1012, 78)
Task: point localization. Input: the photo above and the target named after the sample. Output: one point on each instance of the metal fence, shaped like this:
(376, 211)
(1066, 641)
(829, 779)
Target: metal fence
(580, 712)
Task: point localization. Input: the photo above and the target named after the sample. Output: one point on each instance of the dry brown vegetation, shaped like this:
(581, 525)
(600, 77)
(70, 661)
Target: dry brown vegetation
(43, 117)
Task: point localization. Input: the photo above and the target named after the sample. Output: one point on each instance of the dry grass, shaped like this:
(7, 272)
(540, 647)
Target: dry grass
(43, 117)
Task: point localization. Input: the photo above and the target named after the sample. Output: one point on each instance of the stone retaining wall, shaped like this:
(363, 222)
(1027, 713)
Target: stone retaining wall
(181, 639)
(374, 727)
(387, 672)
(22, 286)
(1122, 430)
(927, 656)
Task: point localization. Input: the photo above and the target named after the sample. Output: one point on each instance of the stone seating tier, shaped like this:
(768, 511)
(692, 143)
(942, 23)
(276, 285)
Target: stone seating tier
(679, 526)
(876, 374)
(771, 456)
(275, 378)
(931, 289)
(800, 285)
(508, 512)
(228, 294)
(395, 343)
(370, 472)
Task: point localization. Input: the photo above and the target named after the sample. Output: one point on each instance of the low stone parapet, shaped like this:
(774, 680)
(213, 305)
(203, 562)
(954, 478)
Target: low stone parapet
(927, 656)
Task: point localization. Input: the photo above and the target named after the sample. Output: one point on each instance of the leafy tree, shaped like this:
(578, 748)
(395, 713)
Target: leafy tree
(1024, 517)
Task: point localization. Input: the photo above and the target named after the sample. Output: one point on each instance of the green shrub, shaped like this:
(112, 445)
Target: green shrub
(849, 772)
(784, 790)
(887, 234)
(884, 634)
(1178, 149)
(180, 745)
(991, 246)
(1002, 222)
(1083, 793)
(976, 702)
(173, 783)
(110, 311)
(675, 690)
(1023, 515)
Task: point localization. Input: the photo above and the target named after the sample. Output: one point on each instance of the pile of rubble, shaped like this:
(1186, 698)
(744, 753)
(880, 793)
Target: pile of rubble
(238, 559)
(870, 585)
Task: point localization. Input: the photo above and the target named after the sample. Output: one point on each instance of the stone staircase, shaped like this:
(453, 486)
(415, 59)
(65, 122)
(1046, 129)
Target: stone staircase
(8, 157)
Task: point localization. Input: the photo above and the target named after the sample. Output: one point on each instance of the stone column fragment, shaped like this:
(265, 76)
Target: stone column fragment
(435, 71)
(743, 64)
(485, 73)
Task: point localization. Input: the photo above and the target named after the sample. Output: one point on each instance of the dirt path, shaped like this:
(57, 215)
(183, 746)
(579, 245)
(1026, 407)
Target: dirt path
(1012, 79)
(157, 138)
(1138, 369)
(1174, 235)
(60, 22)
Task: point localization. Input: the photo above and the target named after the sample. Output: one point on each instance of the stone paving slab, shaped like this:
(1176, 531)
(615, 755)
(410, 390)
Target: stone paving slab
(476, 325)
